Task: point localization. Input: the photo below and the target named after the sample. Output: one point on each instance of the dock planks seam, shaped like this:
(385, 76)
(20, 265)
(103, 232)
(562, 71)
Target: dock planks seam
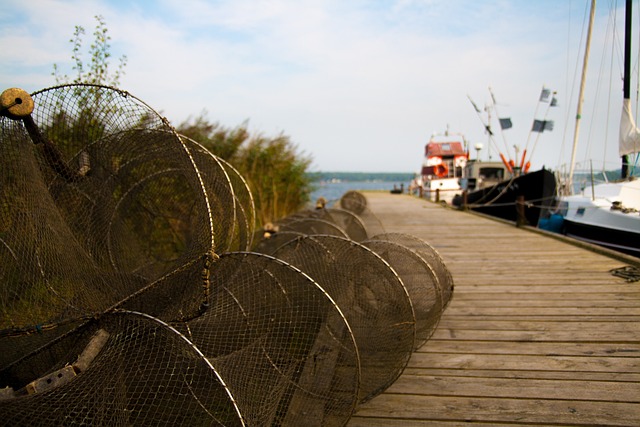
(539, 332)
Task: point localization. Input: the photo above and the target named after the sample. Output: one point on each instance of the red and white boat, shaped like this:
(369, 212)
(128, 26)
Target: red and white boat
(443, 166)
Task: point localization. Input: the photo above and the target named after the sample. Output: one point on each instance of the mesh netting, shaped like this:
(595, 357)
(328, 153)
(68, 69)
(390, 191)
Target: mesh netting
(356, 202)
(430, 256)
(420, 280)
(371, 295)
(129, 296)
(125, 369)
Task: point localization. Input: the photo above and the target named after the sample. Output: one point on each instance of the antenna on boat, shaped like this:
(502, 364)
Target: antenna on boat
(487, 125)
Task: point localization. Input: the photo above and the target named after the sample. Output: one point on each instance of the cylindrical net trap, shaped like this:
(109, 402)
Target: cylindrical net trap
(123, 369)
(281, 344)
(372, 298)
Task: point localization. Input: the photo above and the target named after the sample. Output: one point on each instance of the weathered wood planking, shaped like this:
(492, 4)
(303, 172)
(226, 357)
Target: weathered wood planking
(539, 332)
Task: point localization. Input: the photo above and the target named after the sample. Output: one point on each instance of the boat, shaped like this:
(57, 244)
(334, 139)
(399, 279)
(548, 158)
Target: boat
(607, 213)
(503, 189)
(445, 157)
(490, 187)
(523, 199)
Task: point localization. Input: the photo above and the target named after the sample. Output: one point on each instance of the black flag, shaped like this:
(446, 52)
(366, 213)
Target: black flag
(542, 125)
(505, 123)
(544, 95)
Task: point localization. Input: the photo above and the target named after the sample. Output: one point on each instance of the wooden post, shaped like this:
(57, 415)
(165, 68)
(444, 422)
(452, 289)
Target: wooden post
(521, 219)
(437, 195)
(465, 200)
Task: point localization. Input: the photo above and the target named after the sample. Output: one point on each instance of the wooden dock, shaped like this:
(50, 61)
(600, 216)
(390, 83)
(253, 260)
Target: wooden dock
(539, 332)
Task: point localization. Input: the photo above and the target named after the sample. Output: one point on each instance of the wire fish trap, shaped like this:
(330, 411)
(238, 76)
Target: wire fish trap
(372, 298)
(272, 240)
(101, 197)
(421, 283)
(232, 201)
(279, 341)
(310, 225)
(431, 256)
(125, 243)
(356, 202)
(123, 369)
(353, 201)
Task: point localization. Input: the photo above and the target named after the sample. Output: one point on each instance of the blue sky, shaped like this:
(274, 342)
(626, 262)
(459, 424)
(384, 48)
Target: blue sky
(357, 85)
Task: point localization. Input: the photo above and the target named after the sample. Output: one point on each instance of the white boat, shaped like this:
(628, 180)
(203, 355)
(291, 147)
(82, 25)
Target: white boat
(443, 165)
(608, 213)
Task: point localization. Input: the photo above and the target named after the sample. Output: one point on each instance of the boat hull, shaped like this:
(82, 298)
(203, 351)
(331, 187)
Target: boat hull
(607, 214)
(538, 189)
(618, 240)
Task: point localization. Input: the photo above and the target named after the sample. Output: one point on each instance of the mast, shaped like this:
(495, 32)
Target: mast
(626, 81)
(581, 95)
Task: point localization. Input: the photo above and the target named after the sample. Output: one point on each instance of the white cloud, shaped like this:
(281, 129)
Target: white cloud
(360, 85)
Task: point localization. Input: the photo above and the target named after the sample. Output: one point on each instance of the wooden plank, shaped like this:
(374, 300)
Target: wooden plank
(539, 332)
(541, 348)
(596, 335)
(527, 362)
(524, 375)
(427, 385)
(472, 409)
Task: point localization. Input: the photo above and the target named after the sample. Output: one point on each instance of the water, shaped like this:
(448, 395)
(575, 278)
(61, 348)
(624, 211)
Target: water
(333, 186)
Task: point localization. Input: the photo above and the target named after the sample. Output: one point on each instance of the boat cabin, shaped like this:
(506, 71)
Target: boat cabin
(442, 168)
(478, 174)
(443, 160)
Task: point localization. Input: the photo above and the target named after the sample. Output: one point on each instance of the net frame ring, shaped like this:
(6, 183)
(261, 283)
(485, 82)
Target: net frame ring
(16, 103)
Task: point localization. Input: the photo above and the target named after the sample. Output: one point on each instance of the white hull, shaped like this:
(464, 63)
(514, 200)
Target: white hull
(607, 214)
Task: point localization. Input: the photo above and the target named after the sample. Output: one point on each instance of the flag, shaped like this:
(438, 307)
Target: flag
(554, 102)
(542, 125)
(544, 95)
(505, 123)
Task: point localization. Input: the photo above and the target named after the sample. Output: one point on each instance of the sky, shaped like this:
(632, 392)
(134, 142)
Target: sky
(358, 85)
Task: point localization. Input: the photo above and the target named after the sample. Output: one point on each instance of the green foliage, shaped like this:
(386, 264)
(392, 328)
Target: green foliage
(223, 142)
(274, 169)
(97, 70)
(276, 172)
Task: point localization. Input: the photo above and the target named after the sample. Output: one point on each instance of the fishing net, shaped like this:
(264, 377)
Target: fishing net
(372, 298)
(334, 221)
(129, 295)
(431, 256)
(420, 279)
(126, 368)
(355, 202)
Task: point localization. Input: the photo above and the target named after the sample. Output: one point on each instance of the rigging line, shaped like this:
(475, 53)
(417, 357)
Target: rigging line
(487, 126)
(546, 114)
(495, 107)
(581, 96)
(535, 114)
(610, 40)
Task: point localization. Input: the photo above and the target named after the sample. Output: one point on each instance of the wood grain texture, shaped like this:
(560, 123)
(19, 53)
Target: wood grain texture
(539, 332)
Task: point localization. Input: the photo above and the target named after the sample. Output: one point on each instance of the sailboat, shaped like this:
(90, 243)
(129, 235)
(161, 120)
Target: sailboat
(608, 213)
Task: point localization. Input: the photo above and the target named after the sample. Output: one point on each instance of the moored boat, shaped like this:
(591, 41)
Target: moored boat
(607, 213)
(524, 199)
(442, 168)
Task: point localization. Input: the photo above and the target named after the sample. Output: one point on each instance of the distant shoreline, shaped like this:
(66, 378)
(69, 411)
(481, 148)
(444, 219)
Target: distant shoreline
(361, 176)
